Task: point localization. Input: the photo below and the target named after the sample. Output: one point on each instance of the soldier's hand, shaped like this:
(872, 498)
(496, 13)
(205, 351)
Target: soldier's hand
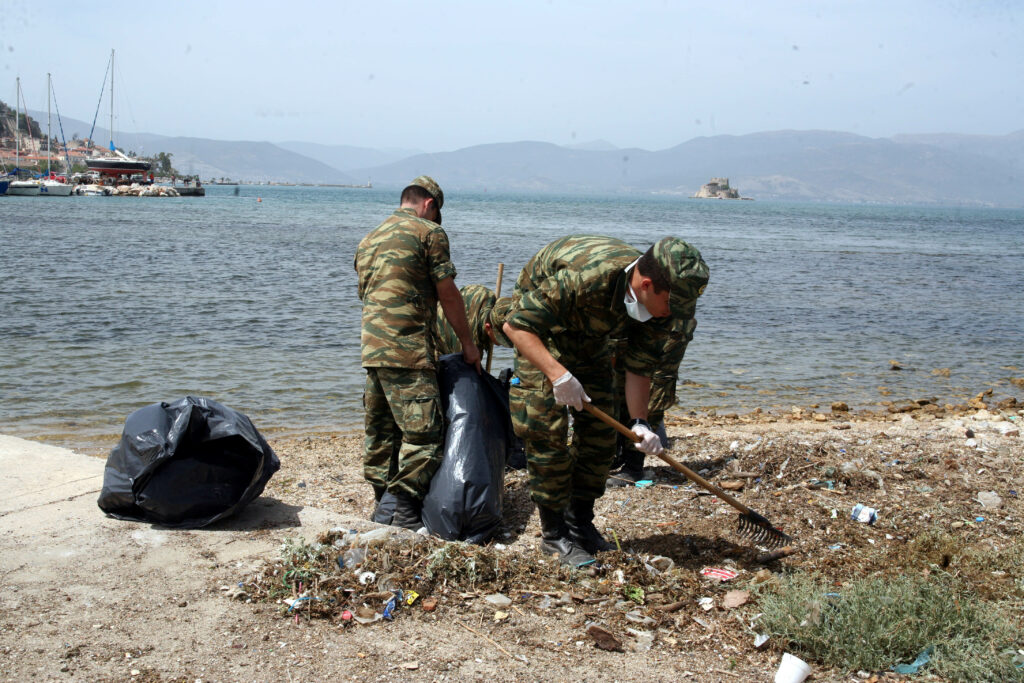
(471, 354)
(649, 442)
(569, 391)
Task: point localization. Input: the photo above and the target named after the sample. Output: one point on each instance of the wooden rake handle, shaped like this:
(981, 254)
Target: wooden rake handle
(676, 465)
(497, 292)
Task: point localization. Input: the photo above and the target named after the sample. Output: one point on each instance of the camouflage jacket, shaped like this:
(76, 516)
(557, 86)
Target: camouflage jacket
(478, 300)
(571, 295)
(399, 264)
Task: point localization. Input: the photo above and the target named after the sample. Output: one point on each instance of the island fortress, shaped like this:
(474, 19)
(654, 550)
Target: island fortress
(718, 188)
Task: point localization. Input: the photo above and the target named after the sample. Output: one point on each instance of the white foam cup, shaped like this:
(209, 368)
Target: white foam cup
(792, 670)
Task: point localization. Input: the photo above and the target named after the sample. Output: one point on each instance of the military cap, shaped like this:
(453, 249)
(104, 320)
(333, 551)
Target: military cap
(686, 270)
(428, 184)
(496, 317)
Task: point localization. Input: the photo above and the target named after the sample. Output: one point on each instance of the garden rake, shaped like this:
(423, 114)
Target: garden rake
(751, 524)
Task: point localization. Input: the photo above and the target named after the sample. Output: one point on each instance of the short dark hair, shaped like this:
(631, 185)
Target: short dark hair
(414, 194)
(652, 268)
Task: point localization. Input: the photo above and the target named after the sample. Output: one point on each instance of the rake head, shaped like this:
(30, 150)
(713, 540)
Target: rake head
(761, 531)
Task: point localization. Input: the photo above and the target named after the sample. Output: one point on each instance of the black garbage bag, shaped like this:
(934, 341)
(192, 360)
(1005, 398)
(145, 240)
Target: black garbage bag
(464, 501)
(185, 464)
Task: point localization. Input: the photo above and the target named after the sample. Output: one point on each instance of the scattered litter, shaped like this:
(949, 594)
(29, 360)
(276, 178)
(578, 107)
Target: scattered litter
(644, 483)
(706, 604)
(498, 600)
(792, 670)
(734, 599)
(367, 578)
(760, 640)
(979, 519)
(429, 604)
(661, 564)
(990, 499)
(719, 573)
(500, 616)
(862, 513)
(922, 659)
(638, 618)
(644, 640)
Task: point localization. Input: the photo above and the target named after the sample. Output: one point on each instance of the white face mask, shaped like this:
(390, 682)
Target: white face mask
(636, 310)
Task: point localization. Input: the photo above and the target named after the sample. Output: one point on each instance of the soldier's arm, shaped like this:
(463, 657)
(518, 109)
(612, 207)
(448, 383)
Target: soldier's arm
(533, 349)
(638, 395)
(455, 312)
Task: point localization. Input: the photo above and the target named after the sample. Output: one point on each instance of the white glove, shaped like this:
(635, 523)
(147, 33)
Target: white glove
(650, 443)
(569, 391)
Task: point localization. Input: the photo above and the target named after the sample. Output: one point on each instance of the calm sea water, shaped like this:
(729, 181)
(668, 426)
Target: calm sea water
(110, 304)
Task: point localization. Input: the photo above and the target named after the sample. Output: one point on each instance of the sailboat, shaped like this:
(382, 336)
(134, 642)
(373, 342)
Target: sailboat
(117, 164)
(51, 186)
(21, 188)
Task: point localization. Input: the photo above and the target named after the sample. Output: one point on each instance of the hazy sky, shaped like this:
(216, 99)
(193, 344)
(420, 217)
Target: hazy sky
(442, 75)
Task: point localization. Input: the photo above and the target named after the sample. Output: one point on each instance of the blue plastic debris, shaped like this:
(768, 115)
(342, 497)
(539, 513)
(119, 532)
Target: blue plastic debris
(922, 659)
(514, 381)
(644, 483)
(979, 519)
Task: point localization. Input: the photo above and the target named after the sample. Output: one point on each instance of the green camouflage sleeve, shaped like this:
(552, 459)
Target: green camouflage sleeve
(439, 258)
(545, 310)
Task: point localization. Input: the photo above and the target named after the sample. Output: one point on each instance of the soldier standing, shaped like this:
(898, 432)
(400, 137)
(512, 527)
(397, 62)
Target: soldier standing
(572, 299)
(405, 269)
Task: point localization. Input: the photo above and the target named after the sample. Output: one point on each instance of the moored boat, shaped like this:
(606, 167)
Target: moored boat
(117, 164)
(53, 185)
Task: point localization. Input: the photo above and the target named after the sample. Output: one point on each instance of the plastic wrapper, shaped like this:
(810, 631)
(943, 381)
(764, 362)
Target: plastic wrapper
(185, 464)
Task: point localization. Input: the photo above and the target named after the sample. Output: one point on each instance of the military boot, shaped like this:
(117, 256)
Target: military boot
(582, 531)
(632, 469)
(407, 512)
(556, 540)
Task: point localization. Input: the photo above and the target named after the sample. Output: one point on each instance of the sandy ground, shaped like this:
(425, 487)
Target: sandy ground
(87, 598)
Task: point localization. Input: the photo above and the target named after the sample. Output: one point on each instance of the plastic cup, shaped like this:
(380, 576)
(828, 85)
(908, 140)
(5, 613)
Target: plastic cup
(792, 670)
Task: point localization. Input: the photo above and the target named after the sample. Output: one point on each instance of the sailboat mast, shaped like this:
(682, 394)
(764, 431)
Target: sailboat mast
(49, 89)
(17, 124)
(111, 100)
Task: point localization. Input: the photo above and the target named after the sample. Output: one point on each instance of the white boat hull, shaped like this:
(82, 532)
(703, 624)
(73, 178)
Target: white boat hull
(53, 188)
(23, 188)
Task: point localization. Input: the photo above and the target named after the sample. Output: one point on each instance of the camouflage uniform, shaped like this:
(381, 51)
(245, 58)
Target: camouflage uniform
(479, 301)
(570, 295)
(399, 265)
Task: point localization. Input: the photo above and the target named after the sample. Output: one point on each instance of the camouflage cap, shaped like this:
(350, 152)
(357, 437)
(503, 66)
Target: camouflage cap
(496, 317)
(686, 269)
(428, 184)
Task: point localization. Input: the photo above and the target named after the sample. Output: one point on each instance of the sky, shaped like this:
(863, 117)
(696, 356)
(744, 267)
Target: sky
(443, 75)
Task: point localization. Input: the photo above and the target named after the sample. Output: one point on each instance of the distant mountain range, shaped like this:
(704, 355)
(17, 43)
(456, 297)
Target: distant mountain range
(945, 169)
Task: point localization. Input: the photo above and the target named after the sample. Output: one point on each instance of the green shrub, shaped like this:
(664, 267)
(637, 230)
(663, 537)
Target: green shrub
(875, 624)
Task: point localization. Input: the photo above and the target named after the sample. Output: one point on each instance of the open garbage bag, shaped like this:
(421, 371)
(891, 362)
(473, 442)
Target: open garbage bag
(464, 501)
(185, 464)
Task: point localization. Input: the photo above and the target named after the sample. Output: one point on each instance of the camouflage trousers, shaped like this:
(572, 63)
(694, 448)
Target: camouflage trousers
(560, 470)
(404, 429)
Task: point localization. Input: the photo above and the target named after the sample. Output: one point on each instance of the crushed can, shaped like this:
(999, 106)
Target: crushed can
(864, 514)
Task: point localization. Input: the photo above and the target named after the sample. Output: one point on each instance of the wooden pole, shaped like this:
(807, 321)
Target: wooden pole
(497, 292)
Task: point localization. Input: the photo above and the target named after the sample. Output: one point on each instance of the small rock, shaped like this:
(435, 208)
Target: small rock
(1008, 429)
(840, 407)
(411, 666)
(498, 600)
(733, 485)
(500, 616)
(603, 638)
(428, 604)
